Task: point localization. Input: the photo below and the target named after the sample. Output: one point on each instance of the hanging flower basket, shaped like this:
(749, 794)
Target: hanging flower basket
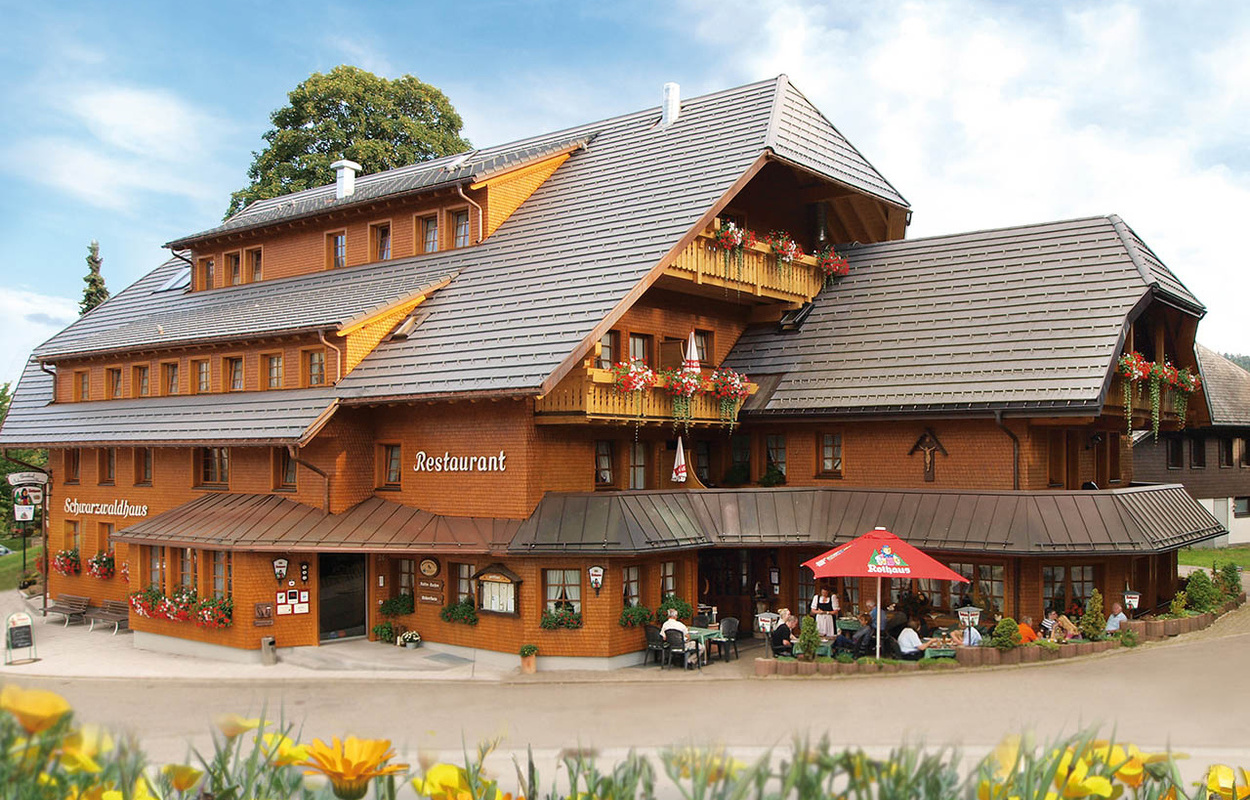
(67, 562)
(681, 384)
(1132, 367)
(784, 248)
(1186, 384)
(633, 377)
(730, 389)
(101, 565)
(733, 241)
(832, 265)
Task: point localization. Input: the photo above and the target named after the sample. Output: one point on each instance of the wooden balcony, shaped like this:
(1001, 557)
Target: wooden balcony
(1168, 418)
(759, 278)
(587, 396)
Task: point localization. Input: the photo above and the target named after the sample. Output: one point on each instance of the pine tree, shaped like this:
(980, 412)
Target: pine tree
(96, 292)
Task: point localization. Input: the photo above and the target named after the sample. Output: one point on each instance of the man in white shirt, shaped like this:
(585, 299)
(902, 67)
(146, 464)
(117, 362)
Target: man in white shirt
(675, 624)
(909, 641)
(1117, 616)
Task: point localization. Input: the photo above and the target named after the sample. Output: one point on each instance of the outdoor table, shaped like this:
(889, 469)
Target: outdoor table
(823, 649)
(939, 652)
(850, 624)
(704, 636)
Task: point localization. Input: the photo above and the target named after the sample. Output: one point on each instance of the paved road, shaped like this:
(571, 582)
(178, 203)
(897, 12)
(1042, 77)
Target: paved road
(1191, 692)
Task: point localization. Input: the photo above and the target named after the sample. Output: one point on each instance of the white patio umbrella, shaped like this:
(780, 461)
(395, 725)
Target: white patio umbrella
(692, 355)
(679, 465)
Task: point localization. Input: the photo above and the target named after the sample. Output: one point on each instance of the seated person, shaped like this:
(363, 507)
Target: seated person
(1027, 634)
(1064, 629)
(784, 636)
(966, 636)
(1048, 623)
(927, 626)
(1117, 617)
(909, 642)
(675, 624)
(862, 638)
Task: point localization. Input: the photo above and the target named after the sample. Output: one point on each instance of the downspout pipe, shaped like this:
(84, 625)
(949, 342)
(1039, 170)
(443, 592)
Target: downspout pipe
(338, 355)
(1015, 450)
(472, 202)
(325, 496)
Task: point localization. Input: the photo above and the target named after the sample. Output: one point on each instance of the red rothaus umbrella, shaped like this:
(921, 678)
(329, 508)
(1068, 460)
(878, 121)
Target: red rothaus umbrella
(879, 554)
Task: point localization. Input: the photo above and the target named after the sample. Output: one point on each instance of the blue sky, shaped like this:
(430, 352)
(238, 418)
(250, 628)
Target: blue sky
(131, 123)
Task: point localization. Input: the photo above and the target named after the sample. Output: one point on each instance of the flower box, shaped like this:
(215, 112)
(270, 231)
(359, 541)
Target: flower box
(1137, 626)
(969, 656)
(1030, 655)
(765, 667)
(889, 667)
(991, 656)
(1084, 648)
(1067, 651)
(827, 667)
(787, 667)
(1171, 627)
(847, 668)
(1050, 655)
(1154, 629)
(1011, 656)
(806, 668)
(908, 666)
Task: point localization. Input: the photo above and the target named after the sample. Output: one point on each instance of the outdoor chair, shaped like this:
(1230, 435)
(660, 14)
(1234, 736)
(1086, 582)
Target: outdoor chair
(655, 644)
(728, 637)
(677, 647)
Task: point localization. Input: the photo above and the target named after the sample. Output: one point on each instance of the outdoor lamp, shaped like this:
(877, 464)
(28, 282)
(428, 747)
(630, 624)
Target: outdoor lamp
(1131, 599)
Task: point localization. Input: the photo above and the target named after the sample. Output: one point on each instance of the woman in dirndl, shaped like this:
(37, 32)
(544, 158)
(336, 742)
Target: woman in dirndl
(825, 607)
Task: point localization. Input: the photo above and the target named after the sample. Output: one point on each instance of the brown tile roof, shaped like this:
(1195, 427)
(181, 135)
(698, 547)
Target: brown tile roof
(1227, 387)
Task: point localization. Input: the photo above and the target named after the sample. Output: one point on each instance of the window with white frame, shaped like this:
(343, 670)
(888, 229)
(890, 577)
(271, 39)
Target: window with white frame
(631, 581)
(563, 589)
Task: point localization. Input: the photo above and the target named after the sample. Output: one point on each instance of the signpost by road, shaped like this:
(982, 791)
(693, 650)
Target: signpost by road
(29, 492)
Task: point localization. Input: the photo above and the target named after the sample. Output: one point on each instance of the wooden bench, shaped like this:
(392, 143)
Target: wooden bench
(69, 606)
(114, 611)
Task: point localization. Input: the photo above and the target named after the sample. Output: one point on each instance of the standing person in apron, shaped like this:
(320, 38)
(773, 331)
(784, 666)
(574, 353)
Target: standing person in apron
(825, 607)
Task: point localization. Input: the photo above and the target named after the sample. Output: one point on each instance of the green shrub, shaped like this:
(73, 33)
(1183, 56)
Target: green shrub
(1200, 592)
(635, 616)
(560, 618)
(824, 660)
(684, 609)
(844, 658)
(1093, 624)
(1179, 603)
(1006, 635)
(809, 639)
(1046, 644)
(1230, 580)
(1128, 638)
(384, 632)
(462, 612)
(396, 606)
(773, 477)
(737, 475)
(786, 658)
(528, 650)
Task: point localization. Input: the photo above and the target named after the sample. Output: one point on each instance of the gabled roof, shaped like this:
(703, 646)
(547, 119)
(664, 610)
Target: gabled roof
(466, 167)
(1029, 317)
(147, 315)
(291, 416)
(1148, 519)
(1226, 386)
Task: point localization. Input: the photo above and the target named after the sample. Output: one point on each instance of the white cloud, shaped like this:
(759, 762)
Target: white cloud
(32, 318)
(362, 54)
(152, 123)
(983, 116)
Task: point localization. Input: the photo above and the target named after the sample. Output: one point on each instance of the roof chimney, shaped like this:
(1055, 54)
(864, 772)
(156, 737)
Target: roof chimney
(345, 177)
(671, 110)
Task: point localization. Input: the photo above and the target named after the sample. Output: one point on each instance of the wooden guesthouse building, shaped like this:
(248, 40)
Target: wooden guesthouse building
(402, 385)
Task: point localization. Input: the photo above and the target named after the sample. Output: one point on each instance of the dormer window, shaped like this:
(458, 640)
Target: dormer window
(234, 268)
(254, 264)
(206, 276)
(82, 385)
(315, 367)
(115, 383)
(139, 381)
(460, 227)
(234, 374)
(336, 250)
(429, 234)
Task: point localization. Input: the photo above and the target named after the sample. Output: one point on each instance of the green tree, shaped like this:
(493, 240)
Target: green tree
(1093, 623)
(38, 458)
(95, 292)
(1239, 360)
(350, 113)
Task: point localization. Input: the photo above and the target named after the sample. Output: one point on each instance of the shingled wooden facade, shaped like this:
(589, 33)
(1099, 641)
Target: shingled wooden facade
(328, 402)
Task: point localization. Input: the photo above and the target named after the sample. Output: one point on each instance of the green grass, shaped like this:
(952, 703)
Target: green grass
(11, 565)
(1202, 557)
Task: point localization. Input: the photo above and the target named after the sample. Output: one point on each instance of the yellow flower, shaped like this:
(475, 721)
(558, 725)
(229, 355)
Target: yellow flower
(182, 776)
(716, 765)
(1073, 778)
(231, 725)
(282, 752)
(443, 782)
(81, 747)
(1222, 780)
(141, 792)
(35, 709)
(351, 764)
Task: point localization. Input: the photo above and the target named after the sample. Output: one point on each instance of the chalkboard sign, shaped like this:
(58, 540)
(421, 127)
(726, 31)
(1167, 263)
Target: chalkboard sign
(19, 634)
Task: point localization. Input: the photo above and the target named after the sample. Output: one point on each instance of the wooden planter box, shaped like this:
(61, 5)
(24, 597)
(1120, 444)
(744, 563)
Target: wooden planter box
(1030, 655)
(909, 666)
(787, 667)
(1011, 656)
(1113, 644)
(807, 668)
(765, 667)
(991, 657)
(1049, 655)
(1171, 627)
(1068, 651)
(1137, 626)
(867, 669)
(890, 667)
(1154, 629)
(827, 667)
(969, 656)
(846, 668)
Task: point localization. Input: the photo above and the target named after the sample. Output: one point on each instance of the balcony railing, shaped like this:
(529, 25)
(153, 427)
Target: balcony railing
(758, 273)
(1140, 400)
(589, 396)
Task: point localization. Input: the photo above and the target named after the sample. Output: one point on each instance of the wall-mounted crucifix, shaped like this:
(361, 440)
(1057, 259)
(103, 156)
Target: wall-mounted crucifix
(929, 445)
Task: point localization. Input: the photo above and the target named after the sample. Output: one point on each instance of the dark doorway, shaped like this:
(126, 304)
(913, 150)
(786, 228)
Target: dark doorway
(342, 588)
(738, 582)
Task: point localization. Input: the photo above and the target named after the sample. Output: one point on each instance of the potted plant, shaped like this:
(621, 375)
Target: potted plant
(1049, 650)
(384, 632)
(1093, 624)
(1005, 639)
(809, 639)
(826, 665)
(846, 664)
(409, 639)
(787, 665)
(529, 659)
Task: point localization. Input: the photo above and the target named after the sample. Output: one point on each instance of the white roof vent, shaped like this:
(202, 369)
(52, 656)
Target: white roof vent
(345, 177)
(671, 109)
